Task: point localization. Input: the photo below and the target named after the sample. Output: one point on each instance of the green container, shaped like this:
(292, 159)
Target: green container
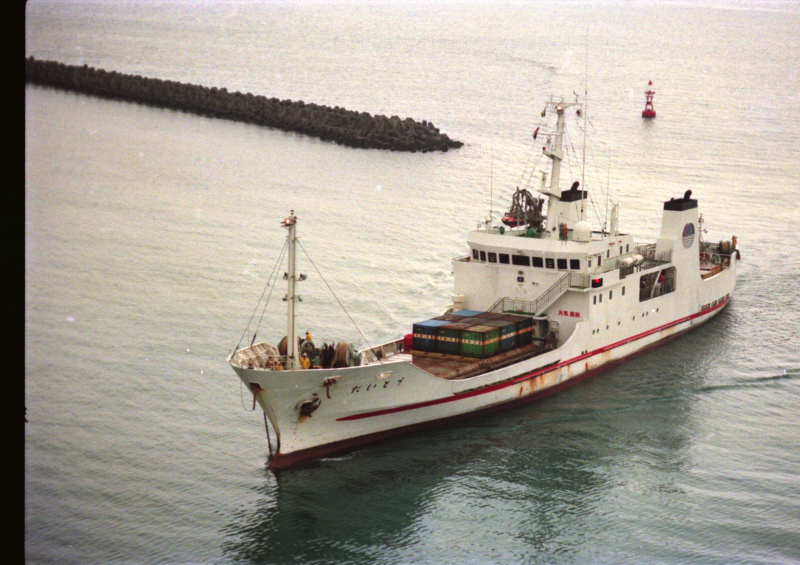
(480, 341)
(508, 333)
(448, 339)
(524, 329)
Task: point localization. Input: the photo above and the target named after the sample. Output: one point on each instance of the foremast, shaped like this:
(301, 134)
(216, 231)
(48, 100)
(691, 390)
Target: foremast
(291, 298)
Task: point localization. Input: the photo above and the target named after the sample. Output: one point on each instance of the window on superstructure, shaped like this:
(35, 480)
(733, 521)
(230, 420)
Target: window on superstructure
(492, 257)
(475, 254)
(504, 258)
(575, 264)
(627, 247)
(623, 291)
(550, 263)
(483, 255)
(537, 262)
(610, 294)
(521, 260)
(562, 264)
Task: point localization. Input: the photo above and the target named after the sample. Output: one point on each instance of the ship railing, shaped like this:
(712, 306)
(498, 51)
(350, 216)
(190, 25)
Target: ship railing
(259, 356)
(578, 280)
(380, 352)
(716, 254)
(568, 280)
(646, 250)
(651, 259)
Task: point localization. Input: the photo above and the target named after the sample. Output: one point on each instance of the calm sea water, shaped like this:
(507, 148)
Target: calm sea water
(150, 235)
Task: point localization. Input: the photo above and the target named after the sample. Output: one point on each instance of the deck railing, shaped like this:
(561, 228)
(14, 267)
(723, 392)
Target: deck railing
(534, 307)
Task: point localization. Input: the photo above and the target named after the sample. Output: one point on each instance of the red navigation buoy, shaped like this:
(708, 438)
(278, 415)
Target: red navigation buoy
(648, 111)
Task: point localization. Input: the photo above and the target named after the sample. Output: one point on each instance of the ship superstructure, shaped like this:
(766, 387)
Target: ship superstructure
(539, 304)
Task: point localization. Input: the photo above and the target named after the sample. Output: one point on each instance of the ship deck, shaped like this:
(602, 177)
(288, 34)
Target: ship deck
(451, 367)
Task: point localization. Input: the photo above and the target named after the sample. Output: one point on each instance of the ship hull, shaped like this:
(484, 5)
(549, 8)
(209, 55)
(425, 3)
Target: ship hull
(355, 406)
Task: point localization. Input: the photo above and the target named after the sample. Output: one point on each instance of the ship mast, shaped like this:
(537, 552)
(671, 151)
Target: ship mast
(555, 151)
(291, 298)
(554, 148)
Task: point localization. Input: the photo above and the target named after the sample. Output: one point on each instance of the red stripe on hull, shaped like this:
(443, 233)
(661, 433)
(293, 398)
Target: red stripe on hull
(283, 461)
(528, 376)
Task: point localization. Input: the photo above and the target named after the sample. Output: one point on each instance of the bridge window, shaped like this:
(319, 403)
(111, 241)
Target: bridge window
(537, 262)
(575, 264)
(483, 255)
(550, 263)
(504, 258)
(492, 257)
(562, 264)
(521, 260)
(475, 254)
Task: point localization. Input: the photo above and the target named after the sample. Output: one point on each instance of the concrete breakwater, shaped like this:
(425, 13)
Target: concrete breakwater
(345, 127)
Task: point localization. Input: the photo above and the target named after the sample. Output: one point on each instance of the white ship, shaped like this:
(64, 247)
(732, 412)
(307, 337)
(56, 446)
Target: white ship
(539, 304)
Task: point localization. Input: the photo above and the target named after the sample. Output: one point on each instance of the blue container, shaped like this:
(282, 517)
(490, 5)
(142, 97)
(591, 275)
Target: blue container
(524, 329)
(467, 313)
(426, 334)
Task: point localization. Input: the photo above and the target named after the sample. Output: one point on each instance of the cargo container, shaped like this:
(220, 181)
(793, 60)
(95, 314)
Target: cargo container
(523, 331)
(450, 336)
(425, 335)
(490, 316)
(467, 313)
(480, 341)
(453, 318)
(508, 333)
